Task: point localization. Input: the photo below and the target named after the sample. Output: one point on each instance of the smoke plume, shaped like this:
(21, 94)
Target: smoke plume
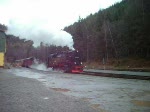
(39, 32)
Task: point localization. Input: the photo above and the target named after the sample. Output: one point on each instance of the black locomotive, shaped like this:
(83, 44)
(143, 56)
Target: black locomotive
(67, 61)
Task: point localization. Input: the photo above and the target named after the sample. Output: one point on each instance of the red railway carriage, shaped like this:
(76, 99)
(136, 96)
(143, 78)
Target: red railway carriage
(66, 61)
(27, 62)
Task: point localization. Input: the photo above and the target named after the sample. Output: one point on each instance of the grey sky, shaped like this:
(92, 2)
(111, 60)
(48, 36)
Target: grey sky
(50, 16)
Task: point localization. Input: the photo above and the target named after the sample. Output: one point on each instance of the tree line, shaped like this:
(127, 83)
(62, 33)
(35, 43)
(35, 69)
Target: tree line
(18, 48)
(120, 31)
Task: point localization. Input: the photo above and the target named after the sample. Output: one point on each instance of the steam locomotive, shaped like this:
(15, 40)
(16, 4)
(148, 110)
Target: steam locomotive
(67, 61)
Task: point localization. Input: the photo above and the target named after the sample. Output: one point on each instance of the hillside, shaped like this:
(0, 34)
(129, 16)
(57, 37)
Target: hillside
(118, 32)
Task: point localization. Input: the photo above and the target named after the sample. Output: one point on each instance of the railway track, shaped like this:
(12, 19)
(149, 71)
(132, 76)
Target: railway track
(116, 75)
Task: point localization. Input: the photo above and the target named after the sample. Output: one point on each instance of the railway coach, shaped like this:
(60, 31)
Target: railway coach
(2, 47)
(67, 61)
(26, 62)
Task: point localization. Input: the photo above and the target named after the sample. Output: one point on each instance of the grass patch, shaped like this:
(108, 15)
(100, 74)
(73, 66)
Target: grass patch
(136, 64)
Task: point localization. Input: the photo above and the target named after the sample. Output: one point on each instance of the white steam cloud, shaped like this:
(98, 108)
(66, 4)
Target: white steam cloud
(39, 32)
(40, 66)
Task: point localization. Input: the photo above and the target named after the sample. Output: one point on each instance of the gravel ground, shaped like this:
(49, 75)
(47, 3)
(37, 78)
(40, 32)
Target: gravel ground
(19, 94)
(74, 92)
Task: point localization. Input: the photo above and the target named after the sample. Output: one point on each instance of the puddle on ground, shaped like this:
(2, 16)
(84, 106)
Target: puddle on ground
(41, 78)
(90, 91)
(45, 98)
(86, 99)
(68, 77)
(97, 107)
(61, 90)
(141, 103)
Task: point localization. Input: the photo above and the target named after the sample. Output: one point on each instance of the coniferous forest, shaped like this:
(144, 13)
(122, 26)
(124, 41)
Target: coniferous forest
(119, 31)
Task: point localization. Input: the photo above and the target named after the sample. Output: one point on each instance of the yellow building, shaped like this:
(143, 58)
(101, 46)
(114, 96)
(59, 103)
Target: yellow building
(1, 59)
(2, 48)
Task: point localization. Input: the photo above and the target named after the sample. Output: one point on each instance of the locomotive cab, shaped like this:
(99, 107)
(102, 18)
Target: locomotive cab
(74, 62)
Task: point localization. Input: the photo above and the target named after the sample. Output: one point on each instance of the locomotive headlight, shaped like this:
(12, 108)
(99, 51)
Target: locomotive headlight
(75, 63)
(81, 63)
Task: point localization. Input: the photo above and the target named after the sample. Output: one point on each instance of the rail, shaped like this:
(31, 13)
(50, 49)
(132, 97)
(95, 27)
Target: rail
(118, 74)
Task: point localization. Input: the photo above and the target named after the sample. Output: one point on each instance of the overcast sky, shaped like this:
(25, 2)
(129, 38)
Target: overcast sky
(47, 15)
